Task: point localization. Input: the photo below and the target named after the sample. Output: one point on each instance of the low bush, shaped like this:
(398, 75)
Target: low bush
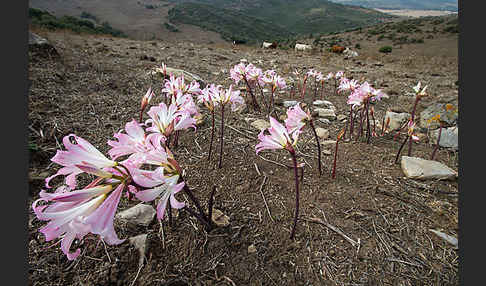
(385, 49)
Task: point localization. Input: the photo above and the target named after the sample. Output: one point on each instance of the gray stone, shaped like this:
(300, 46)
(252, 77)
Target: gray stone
(324, 104)
(140, 243)
(342, 117)
(323, 120)
(449, 117)
(421, 169)
(322, 133)
(140, 214)
(289, 103)
(188, 77)
(396, 120)
(449, 137)
(327, 143)
(219, 218)
(325, 113)
(260, 124)
(41, 46)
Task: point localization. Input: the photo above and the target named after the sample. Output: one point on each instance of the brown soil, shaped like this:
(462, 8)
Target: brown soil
(95, 87)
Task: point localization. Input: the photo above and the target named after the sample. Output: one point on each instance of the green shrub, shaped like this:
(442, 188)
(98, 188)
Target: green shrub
(385, 49)
(170, 27)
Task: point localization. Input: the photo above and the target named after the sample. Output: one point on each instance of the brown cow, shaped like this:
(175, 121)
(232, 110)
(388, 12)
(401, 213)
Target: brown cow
(337, 49)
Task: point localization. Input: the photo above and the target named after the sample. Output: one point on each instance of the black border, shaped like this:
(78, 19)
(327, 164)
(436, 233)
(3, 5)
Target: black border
(15, 91)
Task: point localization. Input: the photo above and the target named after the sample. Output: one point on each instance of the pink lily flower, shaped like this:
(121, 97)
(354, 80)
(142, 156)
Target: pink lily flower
(279, 138)
(255, 74)
(77, 213)
(165, 120)
(338, 74)
(238, 72)
(230, 96)
(329, 76)
(162, 187)
(296, 118)
(80, 154)
(209, 95)
(133, 142)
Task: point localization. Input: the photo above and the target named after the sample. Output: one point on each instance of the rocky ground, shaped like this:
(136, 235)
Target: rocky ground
(371, 225)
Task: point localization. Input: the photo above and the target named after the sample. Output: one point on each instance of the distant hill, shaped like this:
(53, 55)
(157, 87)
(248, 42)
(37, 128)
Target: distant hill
(446, 5)
(272, 19)
(217, 20)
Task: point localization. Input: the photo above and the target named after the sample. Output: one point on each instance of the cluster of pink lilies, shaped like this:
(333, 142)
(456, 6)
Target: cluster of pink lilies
(140, 164)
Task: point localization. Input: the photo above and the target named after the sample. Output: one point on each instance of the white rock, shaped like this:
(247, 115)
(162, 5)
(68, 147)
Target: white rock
(252, 249)
(342, 117)
(140, 243)
(449, 137)
(260, 124)
(219, 218)
(418, 168)
(289, 103)
(322, 133)
(325, 121)
(396, 120)
(140, 214)
(327, 143)
(326, 113)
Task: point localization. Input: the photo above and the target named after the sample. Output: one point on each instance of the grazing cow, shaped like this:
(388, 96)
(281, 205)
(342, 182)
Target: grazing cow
(350, 53)
(302, 47)
(337, 49)
(267, 45)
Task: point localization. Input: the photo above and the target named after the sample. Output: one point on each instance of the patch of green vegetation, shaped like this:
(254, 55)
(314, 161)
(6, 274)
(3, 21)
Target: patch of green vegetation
(87, 15)
(230, 24)
(170, 27)
(272, 19)
(45, 19)
(385, 49)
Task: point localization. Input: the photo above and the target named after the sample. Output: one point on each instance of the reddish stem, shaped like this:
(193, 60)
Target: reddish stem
(255, 103)
(294, 159)
(417, 98)
(212, 136)
(221, 137)
(318, 146)
(436, 145)
(401, 147)
(333, 175)
(368, 129)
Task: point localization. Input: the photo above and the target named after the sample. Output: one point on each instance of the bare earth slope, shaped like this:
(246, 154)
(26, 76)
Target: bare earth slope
(132, 17)
(95, 87)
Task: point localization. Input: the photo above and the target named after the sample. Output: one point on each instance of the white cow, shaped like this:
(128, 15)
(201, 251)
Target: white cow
(266, 45)
(302, 47)
(350, 53)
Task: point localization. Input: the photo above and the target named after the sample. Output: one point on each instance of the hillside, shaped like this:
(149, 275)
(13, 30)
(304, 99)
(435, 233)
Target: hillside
(299, 17)
(448, 5)
(371, 225)
(215, 20)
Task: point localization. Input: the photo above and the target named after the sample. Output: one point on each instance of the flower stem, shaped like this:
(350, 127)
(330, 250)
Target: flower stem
(311, 123)
(303, 87)
(212, 136)
(333, 175)
(221, 137)
(437, 145)
(294, 159)
(255, 103)
(351, 122)
(368, 129)
(210, 203)
(417, 98)
(401, 147)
